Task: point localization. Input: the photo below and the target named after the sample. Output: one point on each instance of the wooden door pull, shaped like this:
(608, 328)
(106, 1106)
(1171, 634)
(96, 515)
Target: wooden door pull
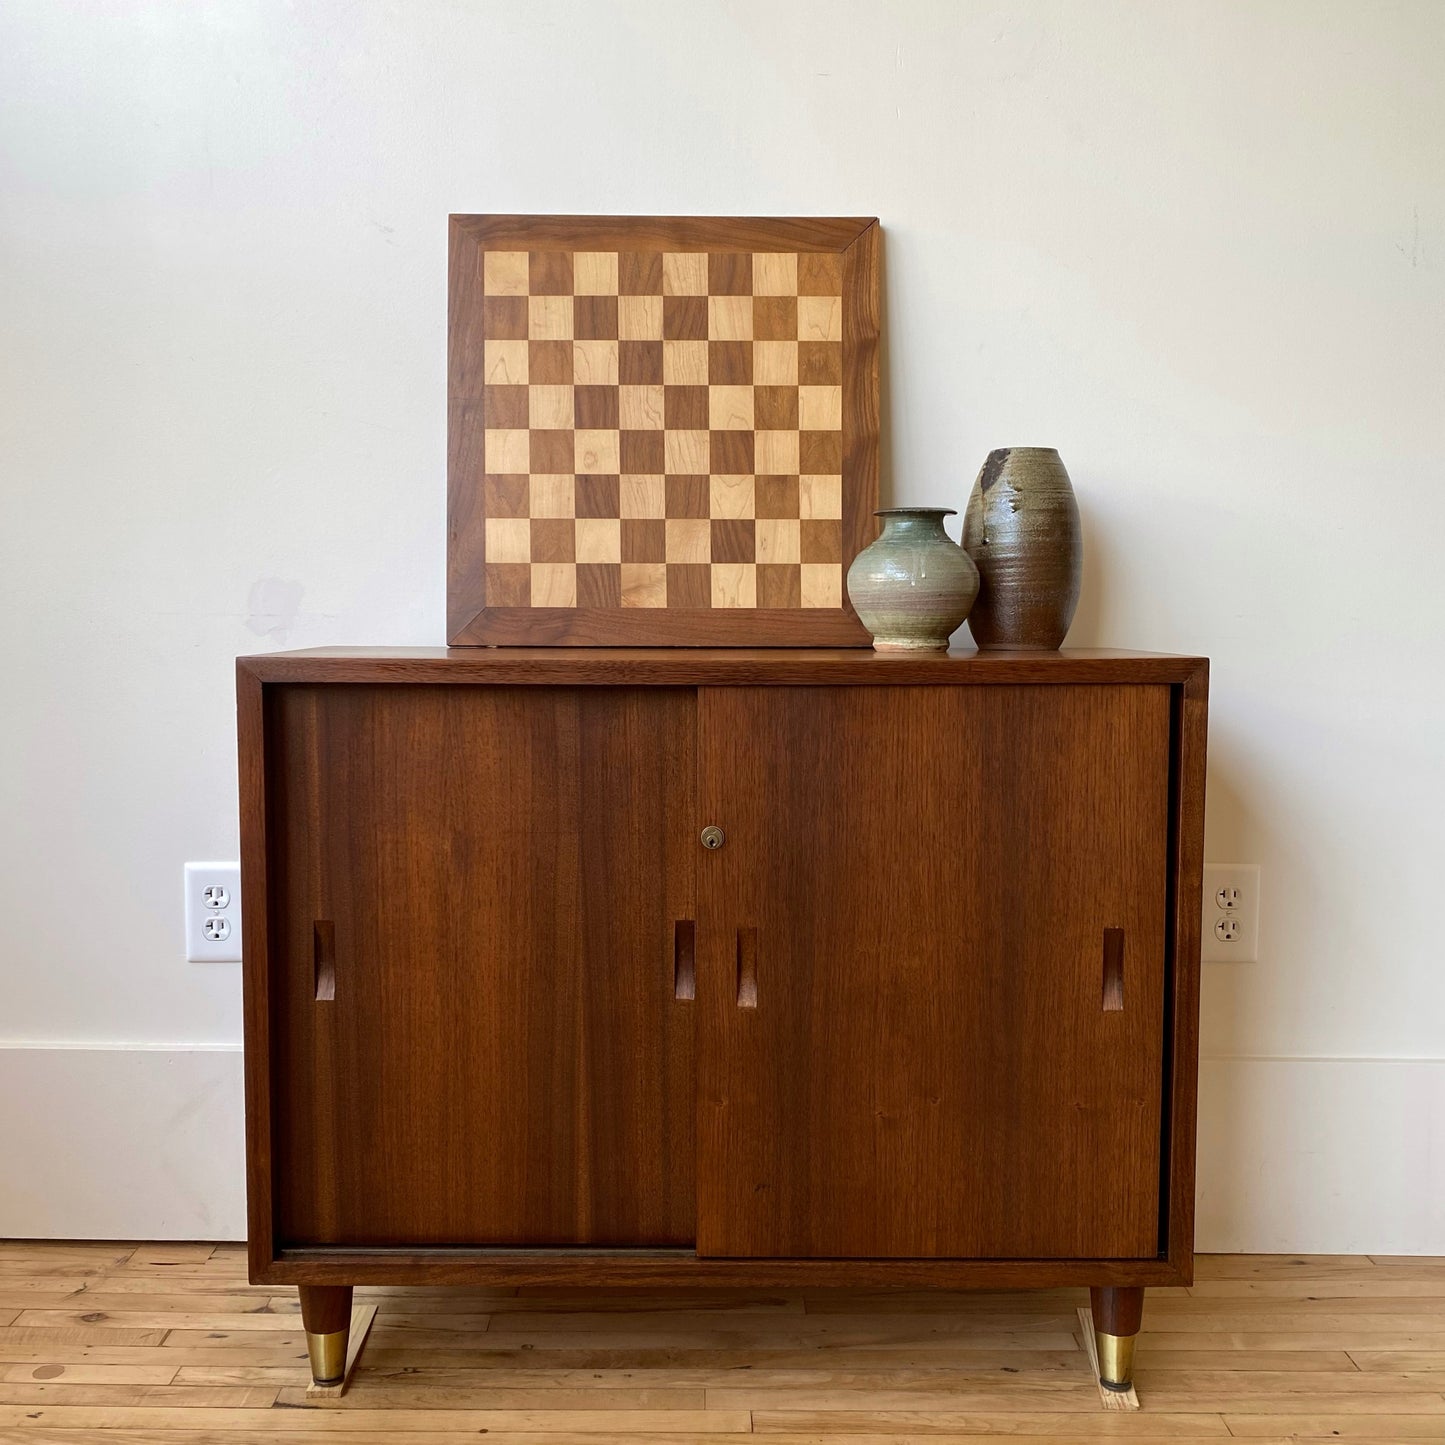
(684, 976)
(747, 968)
(324, 960)
(1113, 970)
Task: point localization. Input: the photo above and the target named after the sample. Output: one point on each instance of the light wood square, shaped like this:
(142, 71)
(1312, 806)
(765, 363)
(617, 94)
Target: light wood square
(644, 584)
(820, 318)
(734, 584)
(504, 363)
(684, 363)
(730, 318)
(549, 318)
(594, 273)
(594, 363)
(822, 584)
(775, 454)
(730, 497)
(597, 452)
(554, 584)
(640, 408)
(775, 363)
(775, 273)
(509, 451)
(689, 539)
(639, 318)
(505, 273)
(777, 539)
(684, 273)
(552, 496)
(509, 539)
(549, 408)
(685, 454)
(730, 408)
(820, 498)
(599, 539)
(643, 496)
(820, 408)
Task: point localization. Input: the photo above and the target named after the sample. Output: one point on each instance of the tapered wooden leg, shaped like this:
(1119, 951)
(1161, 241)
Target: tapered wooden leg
(326, 1314)
(1117, 1312)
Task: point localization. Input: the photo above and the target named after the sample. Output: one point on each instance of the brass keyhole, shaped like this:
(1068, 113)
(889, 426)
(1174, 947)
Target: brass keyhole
(712, 837)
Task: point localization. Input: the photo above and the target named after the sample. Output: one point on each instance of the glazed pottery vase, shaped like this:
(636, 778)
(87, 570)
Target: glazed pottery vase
(1022, 531)
(914, 585)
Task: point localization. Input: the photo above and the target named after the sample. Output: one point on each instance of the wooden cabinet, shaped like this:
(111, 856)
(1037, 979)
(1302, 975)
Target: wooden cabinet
(926, 1014)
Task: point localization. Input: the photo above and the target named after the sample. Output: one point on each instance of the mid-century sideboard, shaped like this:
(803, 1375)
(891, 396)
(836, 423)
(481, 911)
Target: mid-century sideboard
(743, 968)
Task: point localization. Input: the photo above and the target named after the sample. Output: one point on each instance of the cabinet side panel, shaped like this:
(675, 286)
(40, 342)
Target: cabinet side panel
(479, 1034)
(932, 991)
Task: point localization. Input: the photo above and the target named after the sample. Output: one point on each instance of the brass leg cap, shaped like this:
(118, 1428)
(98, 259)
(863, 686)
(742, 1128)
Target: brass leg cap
(328, 1356)
(1116, 1360)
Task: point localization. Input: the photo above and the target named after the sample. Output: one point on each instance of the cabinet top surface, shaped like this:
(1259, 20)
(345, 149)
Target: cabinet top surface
(691, 667)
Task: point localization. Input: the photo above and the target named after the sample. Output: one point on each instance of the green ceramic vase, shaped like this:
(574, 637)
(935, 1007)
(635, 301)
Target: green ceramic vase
(912, 587)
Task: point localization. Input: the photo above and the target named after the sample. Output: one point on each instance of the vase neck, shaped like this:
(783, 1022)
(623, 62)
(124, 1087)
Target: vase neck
(915, 524)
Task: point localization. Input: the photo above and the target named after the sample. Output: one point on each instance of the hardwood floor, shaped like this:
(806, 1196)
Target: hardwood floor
(122, 1344)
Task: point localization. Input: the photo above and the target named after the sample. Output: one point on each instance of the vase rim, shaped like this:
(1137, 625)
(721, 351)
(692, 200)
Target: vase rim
(917, 512)
(1047, 451)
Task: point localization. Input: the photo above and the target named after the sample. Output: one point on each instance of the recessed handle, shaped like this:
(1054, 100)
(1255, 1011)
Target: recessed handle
(747, 968)
(713, 836)
(684, 956)
(1113, 970)
(323, 951)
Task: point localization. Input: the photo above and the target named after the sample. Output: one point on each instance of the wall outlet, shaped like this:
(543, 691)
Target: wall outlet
(1230, 931)
(213, 912)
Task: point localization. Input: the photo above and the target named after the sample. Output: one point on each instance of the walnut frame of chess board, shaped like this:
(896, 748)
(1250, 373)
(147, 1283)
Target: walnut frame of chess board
(608, 482)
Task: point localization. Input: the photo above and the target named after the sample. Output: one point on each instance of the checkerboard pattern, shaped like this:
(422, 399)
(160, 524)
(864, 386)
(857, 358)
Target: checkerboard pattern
(663, 429)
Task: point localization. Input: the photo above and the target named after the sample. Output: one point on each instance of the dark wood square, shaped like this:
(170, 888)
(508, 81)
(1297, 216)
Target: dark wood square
(595, 496)
(730, 453)
(730, 273)
(820, 452)
(553, 539)
(639, 273)
(820, 363)
(780, 584)
(820, 273)
(599, 584)
(685, 408)
(504, 318)
(639, 363)
(595, 408)
(643, 453)
(553, 454)
(594, 318)
(820, 541)
(686, 496)
(549, 273)
(730, 363)
(775, 408)
(775, 497)
(506, 407)
(733, 540)
(509, 584)
(644, 540)
(549, 363)
(506, 495)
(775, 318)
(689, 584)
(684, 318)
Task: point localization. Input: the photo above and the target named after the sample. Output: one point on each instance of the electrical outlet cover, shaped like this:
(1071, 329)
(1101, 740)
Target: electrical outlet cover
(1236, 941)
(213, 912)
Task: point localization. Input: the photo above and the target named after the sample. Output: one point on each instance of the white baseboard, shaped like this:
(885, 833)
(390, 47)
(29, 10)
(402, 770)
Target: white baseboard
(121, 1143)
(1309, 1156)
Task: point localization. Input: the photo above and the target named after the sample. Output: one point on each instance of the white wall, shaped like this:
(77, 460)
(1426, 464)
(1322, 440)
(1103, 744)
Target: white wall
(1198, 247)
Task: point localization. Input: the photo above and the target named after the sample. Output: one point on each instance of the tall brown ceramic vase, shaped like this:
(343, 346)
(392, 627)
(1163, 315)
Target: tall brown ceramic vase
(1022, 530)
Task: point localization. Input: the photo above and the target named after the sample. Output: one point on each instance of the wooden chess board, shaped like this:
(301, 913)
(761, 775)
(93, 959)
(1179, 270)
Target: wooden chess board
(662, 431)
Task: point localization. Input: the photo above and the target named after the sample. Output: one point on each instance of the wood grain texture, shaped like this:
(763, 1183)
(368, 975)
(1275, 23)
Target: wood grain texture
(925, 1064)
(503, 1060)
(551, 1366)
